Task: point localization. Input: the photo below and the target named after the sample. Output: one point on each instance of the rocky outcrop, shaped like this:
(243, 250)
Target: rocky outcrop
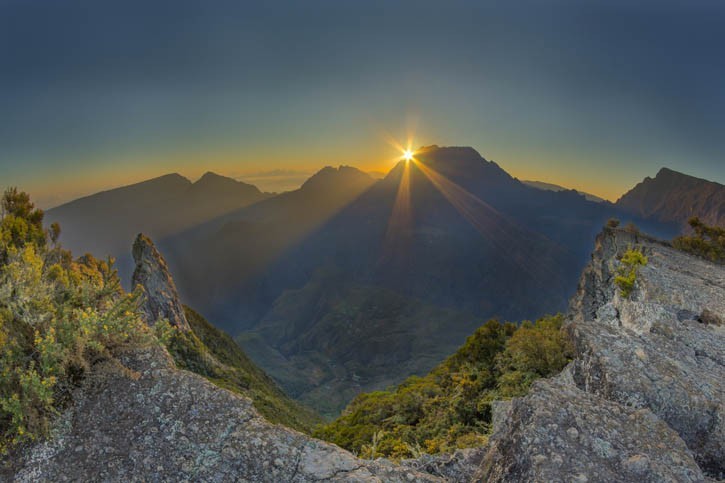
(561, 433)
(656, 349)
(643, 399)
(141, 419)
(161, 300)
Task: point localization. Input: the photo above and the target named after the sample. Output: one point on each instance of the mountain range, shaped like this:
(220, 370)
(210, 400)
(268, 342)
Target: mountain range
(106, 222)
(351, 284)
(555, 187)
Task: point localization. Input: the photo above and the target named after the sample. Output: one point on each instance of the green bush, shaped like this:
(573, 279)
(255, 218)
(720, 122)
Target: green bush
(626, 274)
(57, 317)
(209, 352)
(707, 242)
(450, 407)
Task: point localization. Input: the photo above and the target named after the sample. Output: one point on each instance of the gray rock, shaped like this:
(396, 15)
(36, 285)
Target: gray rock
(144, 420)
(652, 350)
(161, 300)
(459, 466)
(560, 433)
(643, 399)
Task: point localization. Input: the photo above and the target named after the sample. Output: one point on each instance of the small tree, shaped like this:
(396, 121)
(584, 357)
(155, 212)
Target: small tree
(707, 242)
(626, 275)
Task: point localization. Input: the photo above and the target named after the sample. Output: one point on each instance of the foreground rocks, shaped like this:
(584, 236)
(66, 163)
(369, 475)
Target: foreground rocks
(141, 419)
(561, 433)
(643, 399)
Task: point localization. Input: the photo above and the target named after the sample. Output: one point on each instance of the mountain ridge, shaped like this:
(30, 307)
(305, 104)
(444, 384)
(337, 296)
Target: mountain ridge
(450, 230)
(555, 187)
(674, 197)
(106, 222)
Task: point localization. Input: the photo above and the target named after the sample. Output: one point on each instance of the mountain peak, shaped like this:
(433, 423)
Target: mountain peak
(339, 177)
(667, 172)
(211, 175)
(214, 181)
(672, 196)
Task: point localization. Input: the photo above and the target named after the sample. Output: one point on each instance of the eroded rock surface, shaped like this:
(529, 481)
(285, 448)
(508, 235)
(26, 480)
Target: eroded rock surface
(657, 349)
(145, 420)
(643, 399)
(561, 433)
(161, 299)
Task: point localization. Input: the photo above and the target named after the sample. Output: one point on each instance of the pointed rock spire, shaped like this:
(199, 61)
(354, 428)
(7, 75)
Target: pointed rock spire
(161, 299)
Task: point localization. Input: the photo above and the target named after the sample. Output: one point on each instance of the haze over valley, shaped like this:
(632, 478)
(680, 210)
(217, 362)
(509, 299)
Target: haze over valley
(351, 284)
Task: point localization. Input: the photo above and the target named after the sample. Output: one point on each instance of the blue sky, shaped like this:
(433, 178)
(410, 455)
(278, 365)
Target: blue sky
(591, 95)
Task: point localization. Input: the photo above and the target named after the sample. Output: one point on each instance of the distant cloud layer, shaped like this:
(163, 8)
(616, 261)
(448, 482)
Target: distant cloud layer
(276, 180)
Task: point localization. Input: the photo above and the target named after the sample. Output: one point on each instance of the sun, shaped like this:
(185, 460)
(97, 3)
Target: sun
(407, 155)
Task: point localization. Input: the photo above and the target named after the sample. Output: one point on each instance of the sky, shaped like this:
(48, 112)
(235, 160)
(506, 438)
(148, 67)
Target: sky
(592, 95)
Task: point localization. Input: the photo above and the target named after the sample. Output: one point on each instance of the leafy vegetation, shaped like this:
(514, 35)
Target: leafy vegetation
(387, 336)
(451, 406)
(626, 275)
(58, 316)
(211, 353)
(707, 242)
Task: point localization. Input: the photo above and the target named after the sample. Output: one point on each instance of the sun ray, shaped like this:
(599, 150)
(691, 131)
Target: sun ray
(400, 224)
(493, 226)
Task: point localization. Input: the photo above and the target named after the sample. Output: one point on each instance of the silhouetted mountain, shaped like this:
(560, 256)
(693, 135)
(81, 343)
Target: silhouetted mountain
(555, 187)
(221, 263)
(106, 222)
(673, 197)
(351, 283)
(333, 284)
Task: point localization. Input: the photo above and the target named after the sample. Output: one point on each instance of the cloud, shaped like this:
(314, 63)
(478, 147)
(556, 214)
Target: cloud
(276, 180)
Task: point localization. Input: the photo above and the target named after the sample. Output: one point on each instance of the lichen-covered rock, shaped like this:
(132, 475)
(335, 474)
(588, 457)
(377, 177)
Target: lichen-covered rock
(643, 399)
(457, 467)
(560, 433)
(161, 300)
(144, 420)
(662, 347)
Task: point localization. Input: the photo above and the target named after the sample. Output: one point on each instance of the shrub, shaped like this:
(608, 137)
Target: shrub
(626, 274)
(707, 242)
(57, 317)
(450, 408)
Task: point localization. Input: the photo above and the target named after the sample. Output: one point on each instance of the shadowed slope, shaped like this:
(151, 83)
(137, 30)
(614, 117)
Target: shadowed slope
(106, 223)
(675, 197)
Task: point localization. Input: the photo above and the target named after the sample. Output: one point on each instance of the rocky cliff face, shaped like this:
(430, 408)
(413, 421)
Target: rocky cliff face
(161, 300)
(641, 402)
